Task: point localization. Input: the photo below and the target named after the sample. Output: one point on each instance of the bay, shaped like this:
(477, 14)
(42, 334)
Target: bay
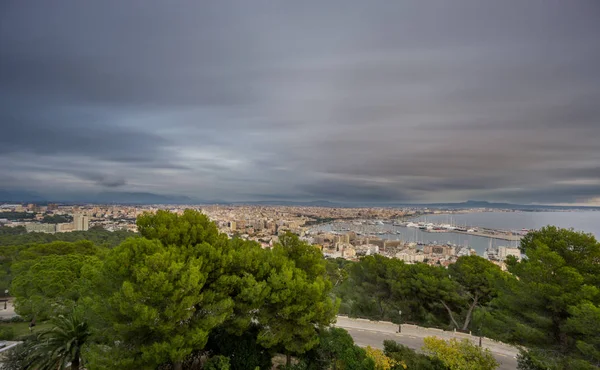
(587, 221)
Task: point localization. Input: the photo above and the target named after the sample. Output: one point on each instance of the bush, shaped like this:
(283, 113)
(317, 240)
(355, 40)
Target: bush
(410, 357)
(13, 319)
(217, 362)
(7, 332)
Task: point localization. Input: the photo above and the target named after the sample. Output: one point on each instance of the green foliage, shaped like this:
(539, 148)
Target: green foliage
(553, 304)
(336, 349)
(584, 326)
(156, 299)
(536, 360)
(217, 362)
(12, 261)
(15, 357)
(337, 271)
(18, 246)
(55, 348)
(7, 332)
(549, 302)
(378, 287)
(478, 278)
(17, 230)
(97, 236)
(460, 355)
(57, 219)
(382, 362)
(409, 357)
(49, 285)
(243, 351)
(17, 216)
(190, 230)
(159, 300)
(298, 302)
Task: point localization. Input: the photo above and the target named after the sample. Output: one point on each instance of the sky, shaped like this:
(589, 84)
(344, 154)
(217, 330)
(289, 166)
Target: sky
(353, 101)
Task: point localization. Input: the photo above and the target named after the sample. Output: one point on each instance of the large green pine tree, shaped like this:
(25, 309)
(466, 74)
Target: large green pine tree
(552, 304)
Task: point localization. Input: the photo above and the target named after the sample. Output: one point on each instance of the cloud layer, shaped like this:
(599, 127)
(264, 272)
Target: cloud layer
(342, 100)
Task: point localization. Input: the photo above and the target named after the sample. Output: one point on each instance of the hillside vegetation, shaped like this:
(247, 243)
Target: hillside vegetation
(182, 295)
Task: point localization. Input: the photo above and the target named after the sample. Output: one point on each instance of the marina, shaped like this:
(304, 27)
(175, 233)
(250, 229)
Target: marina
(424, 233)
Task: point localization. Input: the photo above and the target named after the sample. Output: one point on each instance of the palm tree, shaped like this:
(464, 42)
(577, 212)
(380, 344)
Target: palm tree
(55, 348)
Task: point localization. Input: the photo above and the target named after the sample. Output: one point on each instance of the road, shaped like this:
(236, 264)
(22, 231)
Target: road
(373, 333)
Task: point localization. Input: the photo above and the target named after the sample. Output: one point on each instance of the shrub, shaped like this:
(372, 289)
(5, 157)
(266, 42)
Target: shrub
(217, 362)
(7, 332)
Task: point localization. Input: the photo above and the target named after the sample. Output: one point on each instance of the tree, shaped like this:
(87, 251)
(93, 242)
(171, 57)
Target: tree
(103, 238)
(48, 286)
(161, 303)
(552, 304)
(23, 255)
(55, 348)
(162, 294)
(336, 271)
(460, 355)
(336, 350)
(297, 304)
(217, 362)
(431, 294)
(478, 278)
(584, 325)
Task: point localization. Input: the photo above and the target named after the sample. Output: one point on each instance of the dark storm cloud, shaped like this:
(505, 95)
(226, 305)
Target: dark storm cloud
(105, 180)
(562, 193)
(354, 191)
(383, 101)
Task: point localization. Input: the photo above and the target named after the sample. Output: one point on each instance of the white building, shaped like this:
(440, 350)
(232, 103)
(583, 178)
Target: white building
(410, 257)
(504, 252)
(40, 228)
(81, 222)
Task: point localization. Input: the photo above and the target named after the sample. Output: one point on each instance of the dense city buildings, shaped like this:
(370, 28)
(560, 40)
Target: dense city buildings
(339, 232)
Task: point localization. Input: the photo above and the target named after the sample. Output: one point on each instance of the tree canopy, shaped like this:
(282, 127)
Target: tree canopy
(551, 305)
(181, 293)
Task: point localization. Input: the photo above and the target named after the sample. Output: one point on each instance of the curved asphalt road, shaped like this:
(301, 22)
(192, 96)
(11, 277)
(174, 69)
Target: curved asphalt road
(373, 333)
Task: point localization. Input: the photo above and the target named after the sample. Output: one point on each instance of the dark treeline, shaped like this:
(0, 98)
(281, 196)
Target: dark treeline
(18, 216)
(17, 236)
(57, 219)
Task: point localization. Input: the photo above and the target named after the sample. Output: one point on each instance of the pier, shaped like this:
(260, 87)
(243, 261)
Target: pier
(492, 234)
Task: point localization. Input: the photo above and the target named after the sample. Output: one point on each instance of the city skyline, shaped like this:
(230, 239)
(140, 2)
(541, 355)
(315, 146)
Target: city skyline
(373, 102)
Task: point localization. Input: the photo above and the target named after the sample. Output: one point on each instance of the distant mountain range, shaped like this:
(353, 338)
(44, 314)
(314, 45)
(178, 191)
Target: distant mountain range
(491, 205)
(17, 196)
(20, 196)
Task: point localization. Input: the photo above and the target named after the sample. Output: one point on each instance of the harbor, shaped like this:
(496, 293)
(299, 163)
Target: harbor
(387, 227)
(423, 233)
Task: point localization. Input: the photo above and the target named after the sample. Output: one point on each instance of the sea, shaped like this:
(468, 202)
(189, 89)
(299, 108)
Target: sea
(586, 221)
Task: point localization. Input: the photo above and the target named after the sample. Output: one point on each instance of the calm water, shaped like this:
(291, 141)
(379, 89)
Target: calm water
(587, 221)
(581, 221)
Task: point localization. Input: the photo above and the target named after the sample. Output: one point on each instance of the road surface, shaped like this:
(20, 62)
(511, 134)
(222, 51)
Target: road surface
(373, 333)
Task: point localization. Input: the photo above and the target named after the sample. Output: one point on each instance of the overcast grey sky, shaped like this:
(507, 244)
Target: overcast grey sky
(407, 101)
